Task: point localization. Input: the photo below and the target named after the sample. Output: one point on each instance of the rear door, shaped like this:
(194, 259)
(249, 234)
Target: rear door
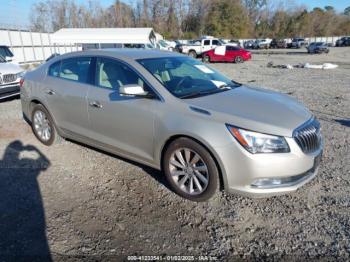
(231, 53)
(66, 88)
(122, 122)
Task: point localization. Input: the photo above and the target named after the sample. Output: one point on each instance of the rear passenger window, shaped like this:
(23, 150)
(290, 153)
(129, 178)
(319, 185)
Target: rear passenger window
(231, 48)
(206, 42)
(54, 69)
(76, 69)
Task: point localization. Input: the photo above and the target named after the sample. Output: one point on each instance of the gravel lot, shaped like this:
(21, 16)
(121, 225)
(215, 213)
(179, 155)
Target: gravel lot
(73, 202)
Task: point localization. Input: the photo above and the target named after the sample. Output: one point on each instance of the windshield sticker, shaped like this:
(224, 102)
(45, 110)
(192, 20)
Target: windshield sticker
(218, 83)
(204, 69)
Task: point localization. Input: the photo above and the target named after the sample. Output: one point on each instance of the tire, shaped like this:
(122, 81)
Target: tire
(206, 59)
(192, 54)
(238, 59)
(51, 137)
(183, 173)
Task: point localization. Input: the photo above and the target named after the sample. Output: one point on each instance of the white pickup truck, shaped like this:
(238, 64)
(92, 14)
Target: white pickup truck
(197, 47)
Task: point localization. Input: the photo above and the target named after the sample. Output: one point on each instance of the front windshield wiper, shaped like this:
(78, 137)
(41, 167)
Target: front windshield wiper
(205, 92)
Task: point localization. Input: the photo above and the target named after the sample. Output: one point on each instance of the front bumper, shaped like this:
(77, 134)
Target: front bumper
(242, 169)
(9, 90)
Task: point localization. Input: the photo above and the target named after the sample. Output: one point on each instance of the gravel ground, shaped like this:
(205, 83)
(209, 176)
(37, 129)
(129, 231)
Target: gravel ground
(73, 202)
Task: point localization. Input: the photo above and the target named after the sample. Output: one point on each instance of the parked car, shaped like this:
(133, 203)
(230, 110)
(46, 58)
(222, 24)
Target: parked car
(228, 53)
(262, 44)
(178, 46)
(171, 43)
(10, 76)
(197, 47)
(6, 53)
(278, 43)
(174, 113)
(248, 44)
(298, 43)
(163, 45)
(344, 41)
(234, 42)
(317, 48)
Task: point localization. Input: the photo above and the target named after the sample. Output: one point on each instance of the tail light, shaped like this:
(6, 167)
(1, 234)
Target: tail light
(21, 82)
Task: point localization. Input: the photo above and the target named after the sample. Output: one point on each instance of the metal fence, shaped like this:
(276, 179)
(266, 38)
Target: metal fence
(31, 47)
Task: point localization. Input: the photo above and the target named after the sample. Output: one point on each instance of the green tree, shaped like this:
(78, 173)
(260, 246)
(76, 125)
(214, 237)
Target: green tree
(329, 8)
(227, 19)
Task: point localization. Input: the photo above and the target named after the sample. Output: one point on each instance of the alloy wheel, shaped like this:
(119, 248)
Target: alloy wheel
(42, 125)
(189, 171)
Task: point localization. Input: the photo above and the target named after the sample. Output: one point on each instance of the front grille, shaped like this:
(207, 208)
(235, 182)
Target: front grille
(9, 78)
(308, 136)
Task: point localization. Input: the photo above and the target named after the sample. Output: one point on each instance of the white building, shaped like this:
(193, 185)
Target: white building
(97, 38)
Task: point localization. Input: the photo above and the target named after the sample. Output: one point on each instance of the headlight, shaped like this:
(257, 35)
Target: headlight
(20, 75)
(256, 142)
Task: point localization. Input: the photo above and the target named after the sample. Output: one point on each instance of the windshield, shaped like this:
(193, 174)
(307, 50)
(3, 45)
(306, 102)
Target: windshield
(185, 77)
(5, 51)
(2, 59)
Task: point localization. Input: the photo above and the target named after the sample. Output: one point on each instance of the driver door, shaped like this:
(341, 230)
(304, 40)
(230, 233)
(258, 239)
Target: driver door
(123, 122)
(206, 45)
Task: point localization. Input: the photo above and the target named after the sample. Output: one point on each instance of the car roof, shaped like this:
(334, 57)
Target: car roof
(124, 53)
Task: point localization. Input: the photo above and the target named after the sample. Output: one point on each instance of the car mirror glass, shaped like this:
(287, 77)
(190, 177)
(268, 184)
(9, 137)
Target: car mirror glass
(132, 90)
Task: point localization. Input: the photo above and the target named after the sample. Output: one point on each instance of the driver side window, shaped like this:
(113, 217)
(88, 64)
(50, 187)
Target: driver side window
(113, 74)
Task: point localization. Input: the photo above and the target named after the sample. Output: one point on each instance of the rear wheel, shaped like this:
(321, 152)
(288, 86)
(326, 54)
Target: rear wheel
(192, 54)
(238, 59)
(43, 126)
(190, 170)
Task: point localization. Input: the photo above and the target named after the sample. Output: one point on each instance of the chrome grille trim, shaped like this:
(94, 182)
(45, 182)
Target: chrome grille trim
(9, 78)
(308, 136)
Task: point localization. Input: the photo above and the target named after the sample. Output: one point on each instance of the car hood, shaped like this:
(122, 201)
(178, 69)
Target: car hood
(9, 68)
(255, 109)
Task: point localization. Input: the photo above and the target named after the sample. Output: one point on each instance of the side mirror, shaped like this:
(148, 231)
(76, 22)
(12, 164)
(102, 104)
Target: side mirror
(133, 90)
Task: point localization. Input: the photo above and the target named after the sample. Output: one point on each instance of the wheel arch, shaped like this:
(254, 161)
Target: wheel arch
(35, 102)
(192, 50)
(219, 165)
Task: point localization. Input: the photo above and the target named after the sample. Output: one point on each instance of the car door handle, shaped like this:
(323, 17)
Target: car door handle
(95, 104)
(50, 92)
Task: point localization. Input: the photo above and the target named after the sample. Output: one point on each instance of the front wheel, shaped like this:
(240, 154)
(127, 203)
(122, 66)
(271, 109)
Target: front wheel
(190, 170)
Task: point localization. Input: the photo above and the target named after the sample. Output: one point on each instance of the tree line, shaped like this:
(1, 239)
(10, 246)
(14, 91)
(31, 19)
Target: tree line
(192, 18)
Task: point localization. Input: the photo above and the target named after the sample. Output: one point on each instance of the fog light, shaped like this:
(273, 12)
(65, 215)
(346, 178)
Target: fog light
(267, 182)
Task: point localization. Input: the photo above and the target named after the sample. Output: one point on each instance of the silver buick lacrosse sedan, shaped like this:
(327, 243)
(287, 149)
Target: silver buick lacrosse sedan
(171, 112)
